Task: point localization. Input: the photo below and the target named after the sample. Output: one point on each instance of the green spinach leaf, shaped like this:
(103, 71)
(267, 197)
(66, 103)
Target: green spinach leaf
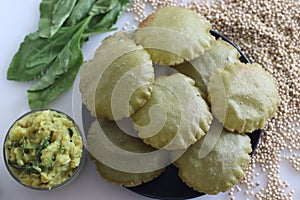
(41, 98)
(36, 53)
(53, 15)
(79, 12)
(61, 74)
(106, 21)
(66, 58)
(102, 6)
(46, 8)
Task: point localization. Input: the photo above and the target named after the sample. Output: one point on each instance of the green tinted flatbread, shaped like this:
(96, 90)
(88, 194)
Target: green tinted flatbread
(221, 168)
(118, 80)
(122, 178)
(117, 37)
(174, 34)
(175, 116)
(251, 96)
(121, 175)
(200, 69)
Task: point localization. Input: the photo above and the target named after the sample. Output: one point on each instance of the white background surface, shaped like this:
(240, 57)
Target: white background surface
(17, 19)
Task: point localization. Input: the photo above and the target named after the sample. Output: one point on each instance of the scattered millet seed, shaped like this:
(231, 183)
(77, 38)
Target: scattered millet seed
(139, 7)
(238, 188)
(268, 32)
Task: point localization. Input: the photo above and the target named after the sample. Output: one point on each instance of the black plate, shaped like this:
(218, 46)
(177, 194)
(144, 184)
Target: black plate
(168, 185)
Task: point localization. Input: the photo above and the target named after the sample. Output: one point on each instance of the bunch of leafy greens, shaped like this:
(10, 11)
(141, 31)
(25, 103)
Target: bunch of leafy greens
(53, 53)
